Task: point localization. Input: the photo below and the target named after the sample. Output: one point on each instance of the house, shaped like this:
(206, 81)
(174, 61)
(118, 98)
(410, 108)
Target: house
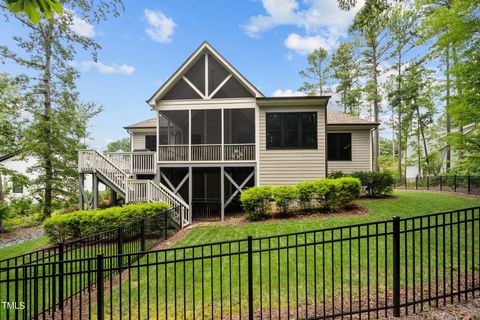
(16, 188)
(215, 134)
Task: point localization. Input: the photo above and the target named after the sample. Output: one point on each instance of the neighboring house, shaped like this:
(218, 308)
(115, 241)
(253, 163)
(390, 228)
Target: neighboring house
(215, 134)
(16, 188)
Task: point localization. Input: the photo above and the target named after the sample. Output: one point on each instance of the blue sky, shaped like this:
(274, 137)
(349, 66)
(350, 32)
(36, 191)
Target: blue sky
(265, 40)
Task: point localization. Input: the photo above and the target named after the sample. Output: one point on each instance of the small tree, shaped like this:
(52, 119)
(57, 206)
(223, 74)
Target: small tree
(122, 145)
(317, 73)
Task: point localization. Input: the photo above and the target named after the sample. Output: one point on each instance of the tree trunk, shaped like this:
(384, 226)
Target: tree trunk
(2, 190)
(447, 113)
(399, 136)
(376, 107)
(459, 93)
(47, 117)
(425, 149)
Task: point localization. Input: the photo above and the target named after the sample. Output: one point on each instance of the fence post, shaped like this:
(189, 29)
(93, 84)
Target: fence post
(416, 182)
(396, 266)
(142, 235)
(455, 183)
(100, 291)
(469, 184)
(250, 278)
(120, 246)
(60, 275)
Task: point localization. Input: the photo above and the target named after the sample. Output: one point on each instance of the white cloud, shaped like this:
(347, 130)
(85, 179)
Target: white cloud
(305, 45)
(322, 20)
(287, 93)
(80, 26)
(160, 27)
(108, 69)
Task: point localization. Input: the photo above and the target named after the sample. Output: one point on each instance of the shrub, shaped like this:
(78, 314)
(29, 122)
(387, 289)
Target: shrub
(348, 189)
(20, 206)
(256, 201)
(375, 183)
(337, 174)
(306, 193)
(83, 223)
(325, 194)
(4, 212)
(284, 197)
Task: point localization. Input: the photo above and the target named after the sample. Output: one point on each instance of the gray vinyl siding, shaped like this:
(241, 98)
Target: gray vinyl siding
(361, 152)
(286, 167)
(138, 140)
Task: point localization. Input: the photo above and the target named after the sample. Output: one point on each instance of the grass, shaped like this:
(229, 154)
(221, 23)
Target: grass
(24, 247)
(204, 286)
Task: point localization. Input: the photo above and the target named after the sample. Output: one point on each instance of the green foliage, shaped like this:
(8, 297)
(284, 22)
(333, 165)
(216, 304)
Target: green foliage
(256, 201)
(284, 197)
(348, 189)
(21, 206)
(306, 193)
(337, 174)
(317, 72)
(326, 194)
(374, 183)
(83, 223)
(122, 145)
(34, 9)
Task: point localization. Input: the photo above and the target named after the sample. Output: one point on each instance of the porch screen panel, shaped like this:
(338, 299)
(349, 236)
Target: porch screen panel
(206, 126)
(173, 128)
(239, 126)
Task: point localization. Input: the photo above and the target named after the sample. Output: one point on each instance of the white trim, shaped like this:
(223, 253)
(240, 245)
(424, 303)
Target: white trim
(193, 87)
(207, 48)
(206, 74)
(220, 86)
(257, 145)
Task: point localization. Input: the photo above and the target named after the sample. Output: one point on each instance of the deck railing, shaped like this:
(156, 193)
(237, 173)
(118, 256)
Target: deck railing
(206, 152)
(134, 162)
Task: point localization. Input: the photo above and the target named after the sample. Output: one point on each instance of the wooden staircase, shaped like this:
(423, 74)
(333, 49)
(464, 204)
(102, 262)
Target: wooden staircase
(132, 190)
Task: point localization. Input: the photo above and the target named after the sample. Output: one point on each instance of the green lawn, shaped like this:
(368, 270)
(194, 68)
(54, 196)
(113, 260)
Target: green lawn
(24, 247)
(295, 276)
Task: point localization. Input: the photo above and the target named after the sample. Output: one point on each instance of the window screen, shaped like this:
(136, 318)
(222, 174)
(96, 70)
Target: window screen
(151, 142)
(339, 147)
(292, 130)
(239, 126)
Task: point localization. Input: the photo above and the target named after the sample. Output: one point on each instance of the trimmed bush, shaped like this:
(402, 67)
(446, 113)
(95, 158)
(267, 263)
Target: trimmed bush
(306, 193)
(256, 202)
(375, 184)
(284, 197)
(348, 189)
(83, 223)
(326, 194)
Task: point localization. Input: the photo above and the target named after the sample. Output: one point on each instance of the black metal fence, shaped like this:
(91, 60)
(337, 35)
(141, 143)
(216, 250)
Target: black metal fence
(372, 269)
(455, 183)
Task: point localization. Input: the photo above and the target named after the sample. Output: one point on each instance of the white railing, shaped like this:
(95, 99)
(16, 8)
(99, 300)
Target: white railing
(148, 191)
(173, 153)
(239, 152)
(93, 161)
(134, 162)
(207, 152)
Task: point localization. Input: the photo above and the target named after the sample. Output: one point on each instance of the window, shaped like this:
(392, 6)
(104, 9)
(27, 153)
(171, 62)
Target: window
(17, 187)
(292, 130)
(339, 147)
(151, 142)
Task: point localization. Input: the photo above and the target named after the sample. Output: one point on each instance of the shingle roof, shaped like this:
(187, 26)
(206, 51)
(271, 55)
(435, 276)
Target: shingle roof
(150, 123)
(333, 118)
(340, 118)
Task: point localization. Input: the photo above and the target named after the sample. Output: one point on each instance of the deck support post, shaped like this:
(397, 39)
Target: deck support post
(113, 197)
(222, 192)
(95, 190)
(81, 188)
(190, 193)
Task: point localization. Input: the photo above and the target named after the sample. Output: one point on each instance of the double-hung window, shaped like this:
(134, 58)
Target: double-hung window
(339, 147)
(291, 130)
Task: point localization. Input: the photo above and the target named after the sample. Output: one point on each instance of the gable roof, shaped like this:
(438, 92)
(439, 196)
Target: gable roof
(205, 47)
(340, 118)
(333, 118)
